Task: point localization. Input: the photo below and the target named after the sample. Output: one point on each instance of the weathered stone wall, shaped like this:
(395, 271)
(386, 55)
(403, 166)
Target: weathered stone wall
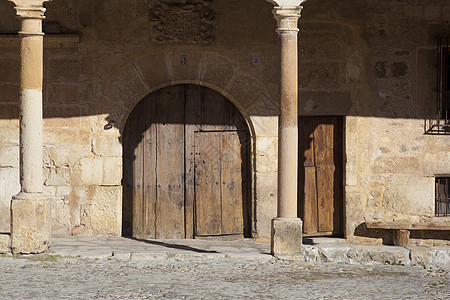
(371, 61)
(377, 59)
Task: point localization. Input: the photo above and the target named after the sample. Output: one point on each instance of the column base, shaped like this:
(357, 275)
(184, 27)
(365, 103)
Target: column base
(30, 223)
(286, 236)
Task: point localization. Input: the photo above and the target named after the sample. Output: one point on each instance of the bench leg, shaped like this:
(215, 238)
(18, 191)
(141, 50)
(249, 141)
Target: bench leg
(400, 237)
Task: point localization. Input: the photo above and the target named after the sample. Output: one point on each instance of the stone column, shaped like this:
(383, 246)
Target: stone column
(30, 209)
(287, 227)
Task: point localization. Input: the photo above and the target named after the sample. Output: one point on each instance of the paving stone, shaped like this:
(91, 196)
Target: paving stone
(213, 277)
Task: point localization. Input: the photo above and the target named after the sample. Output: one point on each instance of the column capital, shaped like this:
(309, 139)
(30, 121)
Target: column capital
(31, 12)
(30, 9)
(287, 18)
(287, 13)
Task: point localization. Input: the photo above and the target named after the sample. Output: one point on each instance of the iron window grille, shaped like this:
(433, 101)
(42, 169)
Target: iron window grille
(442, 207)
(441, 125)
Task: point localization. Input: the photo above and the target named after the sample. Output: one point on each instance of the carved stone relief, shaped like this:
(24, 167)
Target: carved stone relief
(181, 21)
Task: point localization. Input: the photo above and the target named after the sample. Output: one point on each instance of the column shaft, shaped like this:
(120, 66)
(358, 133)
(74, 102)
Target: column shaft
(288, 129)
(288, 121)
(31, 112)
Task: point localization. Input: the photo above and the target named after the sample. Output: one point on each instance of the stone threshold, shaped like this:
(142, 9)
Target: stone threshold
(125, 249)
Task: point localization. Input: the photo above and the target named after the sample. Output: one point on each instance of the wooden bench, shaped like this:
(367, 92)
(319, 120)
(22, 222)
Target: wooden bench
(401, 229)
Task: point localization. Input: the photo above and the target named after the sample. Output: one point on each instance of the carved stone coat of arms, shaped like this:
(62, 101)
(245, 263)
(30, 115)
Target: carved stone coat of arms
(181, 21)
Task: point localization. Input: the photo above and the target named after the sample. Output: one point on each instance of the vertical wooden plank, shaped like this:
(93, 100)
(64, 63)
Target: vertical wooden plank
(138, 180)
(170, 163)
(310, 219)
(307, 176)
(194, 96)
(325, 197)
(324, 160)
(231, 180)
(207, 183)
(215, 112)
(323, 143)
(306, 141)
(149, 159)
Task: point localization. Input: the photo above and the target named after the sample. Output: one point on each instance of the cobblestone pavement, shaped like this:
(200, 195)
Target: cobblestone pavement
(55, 277)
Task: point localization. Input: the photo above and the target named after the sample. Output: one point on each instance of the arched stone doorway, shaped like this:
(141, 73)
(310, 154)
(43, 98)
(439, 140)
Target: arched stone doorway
(186, 166)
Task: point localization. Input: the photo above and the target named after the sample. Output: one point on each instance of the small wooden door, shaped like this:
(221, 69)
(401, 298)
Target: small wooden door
(174, 139)
(219, 183)
(320, 175)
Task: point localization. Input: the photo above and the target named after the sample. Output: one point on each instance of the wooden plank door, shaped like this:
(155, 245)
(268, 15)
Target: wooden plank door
(219, 195)
(163, 165)
(320, 177)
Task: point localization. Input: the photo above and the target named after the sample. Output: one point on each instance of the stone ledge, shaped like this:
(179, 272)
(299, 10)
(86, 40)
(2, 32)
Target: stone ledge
(50, 41)
(363, 254)
(5, 243)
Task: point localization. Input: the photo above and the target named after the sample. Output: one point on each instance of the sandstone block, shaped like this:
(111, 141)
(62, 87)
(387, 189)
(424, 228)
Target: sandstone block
(436, 163)
(91, 170)
(429, 257)
(265, 125)
(106, 145)
(286, 236)
(30, 223)
(9, 186)
(267, 145)
(106, 210)
(9, 135)
(266, 163)
(112, 171)
(185, 65)
(61, 217)
(244, 87)
(218, 70)
(126, 85)
(410, 195)
(154, 69)
(5, 243)
(379, 254)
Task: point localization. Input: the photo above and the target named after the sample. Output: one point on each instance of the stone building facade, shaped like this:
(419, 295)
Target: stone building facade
(371, 66)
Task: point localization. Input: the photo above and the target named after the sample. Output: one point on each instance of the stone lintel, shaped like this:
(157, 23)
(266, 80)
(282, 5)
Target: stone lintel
(286, 236)
(30, 223)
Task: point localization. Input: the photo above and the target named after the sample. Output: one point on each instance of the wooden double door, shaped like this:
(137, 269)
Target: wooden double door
(186, 151)
(320, 184)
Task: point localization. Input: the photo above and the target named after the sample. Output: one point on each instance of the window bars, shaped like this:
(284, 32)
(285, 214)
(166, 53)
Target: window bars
(442, 207)
(441, 125)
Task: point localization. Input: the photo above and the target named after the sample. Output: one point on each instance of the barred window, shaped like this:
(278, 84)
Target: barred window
(442, 197)
(441, 125)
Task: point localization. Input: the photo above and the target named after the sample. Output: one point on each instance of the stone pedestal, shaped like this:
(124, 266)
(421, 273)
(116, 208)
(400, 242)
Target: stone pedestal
(286, 236)
(30, 223)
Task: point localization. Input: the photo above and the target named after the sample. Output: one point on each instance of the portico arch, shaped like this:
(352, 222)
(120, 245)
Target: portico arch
(143, 75)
